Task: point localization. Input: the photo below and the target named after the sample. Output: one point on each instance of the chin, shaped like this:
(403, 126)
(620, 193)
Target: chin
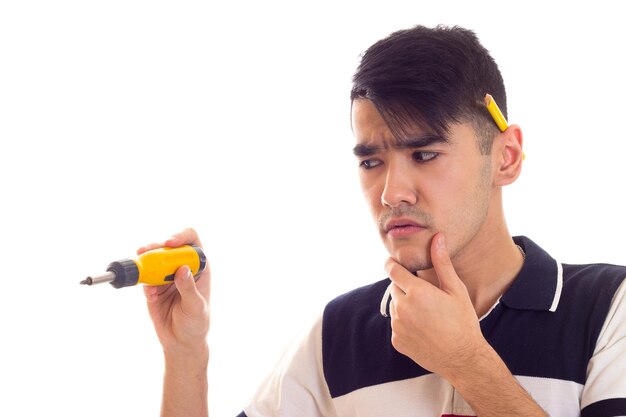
(413, 260)
(415, 266)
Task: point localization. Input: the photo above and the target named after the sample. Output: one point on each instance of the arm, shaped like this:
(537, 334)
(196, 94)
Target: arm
(437, 328)
(490, 388)
(181, 319)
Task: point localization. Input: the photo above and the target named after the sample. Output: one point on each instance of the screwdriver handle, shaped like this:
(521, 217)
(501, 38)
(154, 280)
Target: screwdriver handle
(158, 266)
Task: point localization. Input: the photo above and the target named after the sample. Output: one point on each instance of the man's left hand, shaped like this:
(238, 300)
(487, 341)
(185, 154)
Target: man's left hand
(437, 327)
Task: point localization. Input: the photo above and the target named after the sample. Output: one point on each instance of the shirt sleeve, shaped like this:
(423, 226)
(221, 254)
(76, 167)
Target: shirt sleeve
(604, 393)
(297, 386)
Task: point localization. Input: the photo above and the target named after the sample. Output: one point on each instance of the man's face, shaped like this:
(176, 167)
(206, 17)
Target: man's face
(421, 185)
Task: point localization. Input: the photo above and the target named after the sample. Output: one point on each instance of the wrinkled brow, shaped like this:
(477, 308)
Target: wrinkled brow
(363, 150)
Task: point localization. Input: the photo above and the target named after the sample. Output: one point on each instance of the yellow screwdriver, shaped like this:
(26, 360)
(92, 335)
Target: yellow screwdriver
(154, 267)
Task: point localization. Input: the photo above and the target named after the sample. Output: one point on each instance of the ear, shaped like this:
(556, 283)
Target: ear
(507, 155)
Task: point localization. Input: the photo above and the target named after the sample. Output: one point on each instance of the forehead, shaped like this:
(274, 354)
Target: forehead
(368, 127)
(371, 130)
(367, 123)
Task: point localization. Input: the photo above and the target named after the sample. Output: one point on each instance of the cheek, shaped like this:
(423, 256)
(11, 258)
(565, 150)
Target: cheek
(462, 208)
(458, 178)
(448, 197)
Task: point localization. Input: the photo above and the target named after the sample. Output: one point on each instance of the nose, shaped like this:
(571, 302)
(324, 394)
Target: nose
(399, 187)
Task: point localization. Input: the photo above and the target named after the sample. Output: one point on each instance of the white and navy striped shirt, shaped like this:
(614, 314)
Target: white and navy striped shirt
(560, 329)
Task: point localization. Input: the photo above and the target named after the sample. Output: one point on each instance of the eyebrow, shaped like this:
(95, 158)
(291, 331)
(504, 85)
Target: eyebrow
(364, 150)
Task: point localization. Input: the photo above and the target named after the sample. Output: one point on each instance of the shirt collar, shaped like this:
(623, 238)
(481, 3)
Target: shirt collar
(539, 283)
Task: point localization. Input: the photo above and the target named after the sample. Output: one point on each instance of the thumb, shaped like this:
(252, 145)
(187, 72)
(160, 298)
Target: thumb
(191, 299)
(449, 281)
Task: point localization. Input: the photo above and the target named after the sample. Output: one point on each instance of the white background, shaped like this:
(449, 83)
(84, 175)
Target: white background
(122, 122)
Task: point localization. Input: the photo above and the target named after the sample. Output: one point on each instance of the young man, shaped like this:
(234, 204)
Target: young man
(479, 323)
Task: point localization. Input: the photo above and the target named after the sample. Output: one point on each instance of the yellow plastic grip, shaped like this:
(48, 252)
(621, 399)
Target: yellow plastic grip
(158, 266)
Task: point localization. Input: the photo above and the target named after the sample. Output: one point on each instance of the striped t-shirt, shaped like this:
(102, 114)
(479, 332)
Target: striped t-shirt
(560, 329)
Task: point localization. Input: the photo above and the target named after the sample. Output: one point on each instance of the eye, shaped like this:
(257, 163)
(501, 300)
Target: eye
(369, 163)
(424, 156)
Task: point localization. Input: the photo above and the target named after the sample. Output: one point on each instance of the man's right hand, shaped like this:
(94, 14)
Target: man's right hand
(180, 314)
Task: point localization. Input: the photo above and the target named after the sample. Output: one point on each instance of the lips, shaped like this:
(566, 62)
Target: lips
(399, 223)
(402, 227)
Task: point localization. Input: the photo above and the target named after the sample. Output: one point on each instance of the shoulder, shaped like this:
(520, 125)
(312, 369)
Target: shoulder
(593, 272)
(588, 292)
(547, 284)
(592, 283)
(589, 299)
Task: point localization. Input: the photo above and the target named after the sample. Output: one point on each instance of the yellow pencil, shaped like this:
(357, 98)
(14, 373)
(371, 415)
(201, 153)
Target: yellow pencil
(495, 112)
(497, 115)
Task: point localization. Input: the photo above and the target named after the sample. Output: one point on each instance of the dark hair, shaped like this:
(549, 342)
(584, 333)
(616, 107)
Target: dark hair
(431, 77)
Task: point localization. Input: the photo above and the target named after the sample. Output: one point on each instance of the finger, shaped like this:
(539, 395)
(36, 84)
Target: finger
(151, 293)
(448, 278)
(192, 301)
(154, 292)
(149, 247)
(203, 283)
(185, 237)
(398, 274)
(396, 292)
(396, 298)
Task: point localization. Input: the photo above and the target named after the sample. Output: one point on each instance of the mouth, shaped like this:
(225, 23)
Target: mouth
(399, 228)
